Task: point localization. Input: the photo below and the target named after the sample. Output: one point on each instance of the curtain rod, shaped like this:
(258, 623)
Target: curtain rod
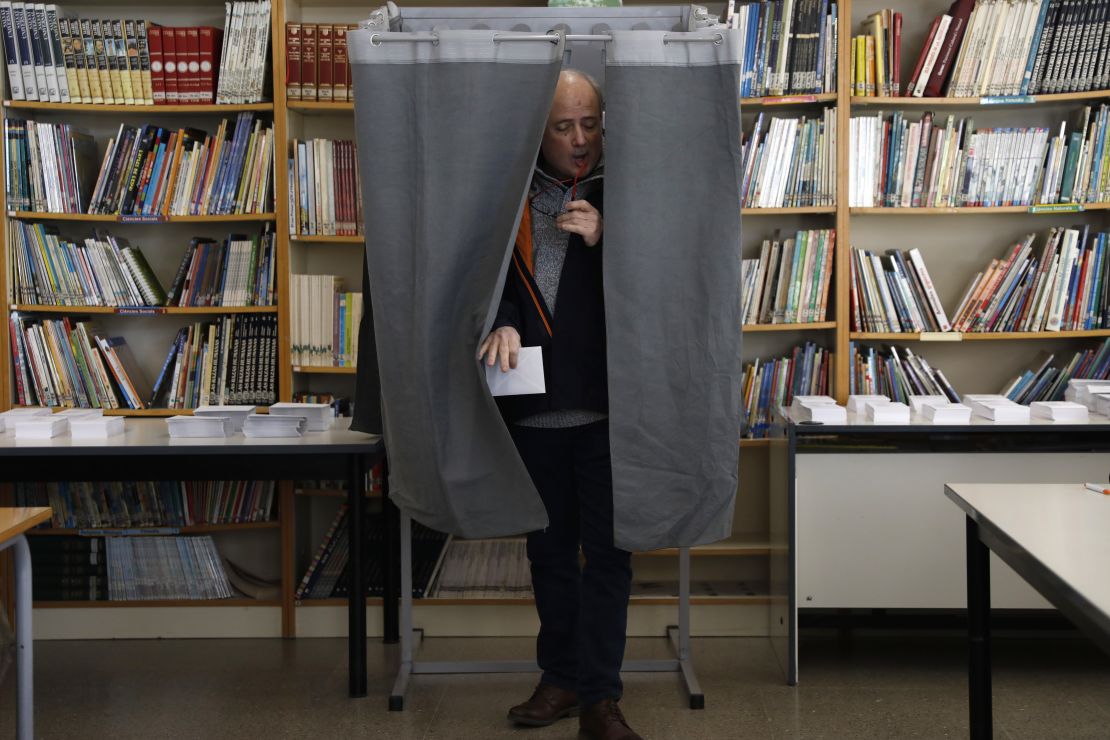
(376, 39)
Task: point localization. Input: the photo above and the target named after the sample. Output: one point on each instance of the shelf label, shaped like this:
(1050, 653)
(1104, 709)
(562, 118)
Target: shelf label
(152, 219)
(141, 310)
(1007, 100)
(1057, 208)
(787, 99)
(137, 531)
(942, 336)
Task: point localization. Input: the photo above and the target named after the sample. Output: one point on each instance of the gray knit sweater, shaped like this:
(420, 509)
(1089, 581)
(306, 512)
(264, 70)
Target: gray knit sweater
(549, 250)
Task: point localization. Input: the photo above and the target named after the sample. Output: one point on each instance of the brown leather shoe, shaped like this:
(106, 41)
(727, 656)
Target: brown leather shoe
(547, 705)
(605, 721)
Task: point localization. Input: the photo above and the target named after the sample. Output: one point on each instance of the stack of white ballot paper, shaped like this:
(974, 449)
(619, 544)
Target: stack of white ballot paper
(945, 412)
(9, 419)
(1081, 390)
(858, 404)
(95, 426)
(274, 425)
(199, 426)
(887, 412)
(43, 426)
(1059, 410)
(237, 414)
(996, 408)
(918, 403)
(318, 415)
(819, 409)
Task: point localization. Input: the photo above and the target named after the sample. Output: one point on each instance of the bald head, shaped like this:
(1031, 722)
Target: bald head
(572, 137)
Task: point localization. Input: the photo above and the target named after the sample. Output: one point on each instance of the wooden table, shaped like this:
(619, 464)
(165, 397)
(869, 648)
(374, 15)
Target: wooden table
(1055, 537)
(14, 522)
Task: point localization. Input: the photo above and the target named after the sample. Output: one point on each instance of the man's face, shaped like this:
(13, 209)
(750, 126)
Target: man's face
(572, 138)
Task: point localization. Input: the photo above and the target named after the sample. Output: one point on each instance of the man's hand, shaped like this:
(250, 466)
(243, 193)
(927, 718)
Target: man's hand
(502, 345)
(583, 219)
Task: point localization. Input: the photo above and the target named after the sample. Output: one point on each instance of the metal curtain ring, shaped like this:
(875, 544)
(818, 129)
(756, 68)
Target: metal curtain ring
(719, 40)
(375, 39)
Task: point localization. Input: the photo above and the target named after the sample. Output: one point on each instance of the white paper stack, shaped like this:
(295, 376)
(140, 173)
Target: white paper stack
(95, 426)
(9, 419)
(1080, 390)
(887, 412)
(996, 408)
(858, 404)
(1099, 403)
(44, 426)
(72, 414)
(820, 409)
(918, 403)
(199, 426)
(945, 412)
(274, 425)
(1059, 410)
(236, 413)
(318, 415)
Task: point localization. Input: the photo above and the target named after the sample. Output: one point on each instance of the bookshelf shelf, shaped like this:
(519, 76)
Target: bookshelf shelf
(177, 602)
(144, 310)
(113, 218)
(324, 370)
(359, 240)
(634, 602)
(164, 529)
(315, 106)
(981, 102)
(33, 105)
(980, 336)
(749, 546)
(810, 326)
(1046, 210)
(331, 493)
(784, 101)
(804, 211)
(754, 443)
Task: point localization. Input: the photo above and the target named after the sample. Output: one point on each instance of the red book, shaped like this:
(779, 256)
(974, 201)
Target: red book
(210, 39)
(157, 76)
(896, 66)
(181, 50)
(192, 51)
(293, 61)
(323, 62)
(908, 92)
(169, 66)
(942, 70)
(339, 81)
(308, 61)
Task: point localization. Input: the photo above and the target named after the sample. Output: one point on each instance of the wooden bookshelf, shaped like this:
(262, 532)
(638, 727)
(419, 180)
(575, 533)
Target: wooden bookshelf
(809, 326)
(735, 546)
(359, 240)
(104, 604)
(143, 310)
(803, 211)
(117, 219)
(997, 101)
(34, 105)
(166, 529)
(982, 336)
(324, 370)
(316, 106)
(635, 601)
(784, 101)
(1057, 210)
(332, 493)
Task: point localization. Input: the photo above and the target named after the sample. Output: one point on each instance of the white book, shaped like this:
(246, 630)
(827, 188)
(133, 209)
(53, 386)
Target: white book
(918, 403)
(947, 413)
(49, 66)
(59, 61)
(857, 404)
(931, 56)
(889, 412)
(15, 72)
(1058, 410)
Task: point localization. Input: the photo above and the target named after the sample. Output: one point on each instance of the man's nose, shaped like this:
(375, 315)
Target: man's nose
(579, 136)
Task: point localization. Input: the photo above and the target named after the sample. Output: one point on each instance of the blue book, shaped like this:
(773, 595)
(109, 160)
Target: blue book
(819, 76)
(1027, 78)
(147, 199)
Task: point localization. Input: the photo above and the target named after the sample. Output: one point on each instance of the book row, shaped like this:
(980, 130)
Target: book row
(894, 293)
(51, 167)
(326, 574)
(316, 63)
(791, 163)
(325, 322)
(788, 47)
(910, 164)
(325, 193)
(767, 384)
(150, 171)
(898, 373)
(483, 569)
(84, 505)
(105, 270)
(73, 364)
(66, 59)
(789, 282)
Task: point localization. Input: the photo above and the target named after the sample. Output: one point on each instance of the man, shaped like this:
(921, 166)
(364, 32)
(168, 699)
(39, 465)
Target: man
(553, 299)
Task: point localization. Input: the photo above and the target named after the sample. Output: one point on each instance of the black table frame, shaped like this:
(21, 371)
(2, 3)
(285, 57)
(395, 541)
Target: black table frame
(225, 462)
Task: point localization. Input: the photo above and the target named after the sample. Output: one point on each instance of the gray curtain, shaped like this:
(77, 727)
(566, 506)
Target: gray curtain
(672, 285)
(448, 136)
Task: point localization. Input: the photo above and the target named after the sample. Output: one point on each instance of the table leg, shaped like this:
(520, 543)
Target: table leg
(391, 517)
(356, 592)
(978, 626)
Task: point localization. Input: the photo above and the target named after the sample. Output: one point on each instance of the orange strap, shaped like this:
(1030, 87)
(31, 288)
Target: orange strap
(522, 259)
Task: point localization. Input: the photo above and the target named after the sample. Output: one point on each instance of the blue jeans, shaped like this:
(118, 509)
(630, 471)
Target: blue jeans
(583, 609)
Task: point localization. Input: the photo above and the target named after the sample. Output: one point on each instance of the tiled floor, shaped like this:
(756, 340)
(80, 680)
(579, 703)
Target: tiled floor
(870, 687)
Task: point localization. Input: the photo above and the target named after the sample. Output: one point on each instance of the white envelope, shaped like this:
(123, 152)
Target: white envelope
(525, 379)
